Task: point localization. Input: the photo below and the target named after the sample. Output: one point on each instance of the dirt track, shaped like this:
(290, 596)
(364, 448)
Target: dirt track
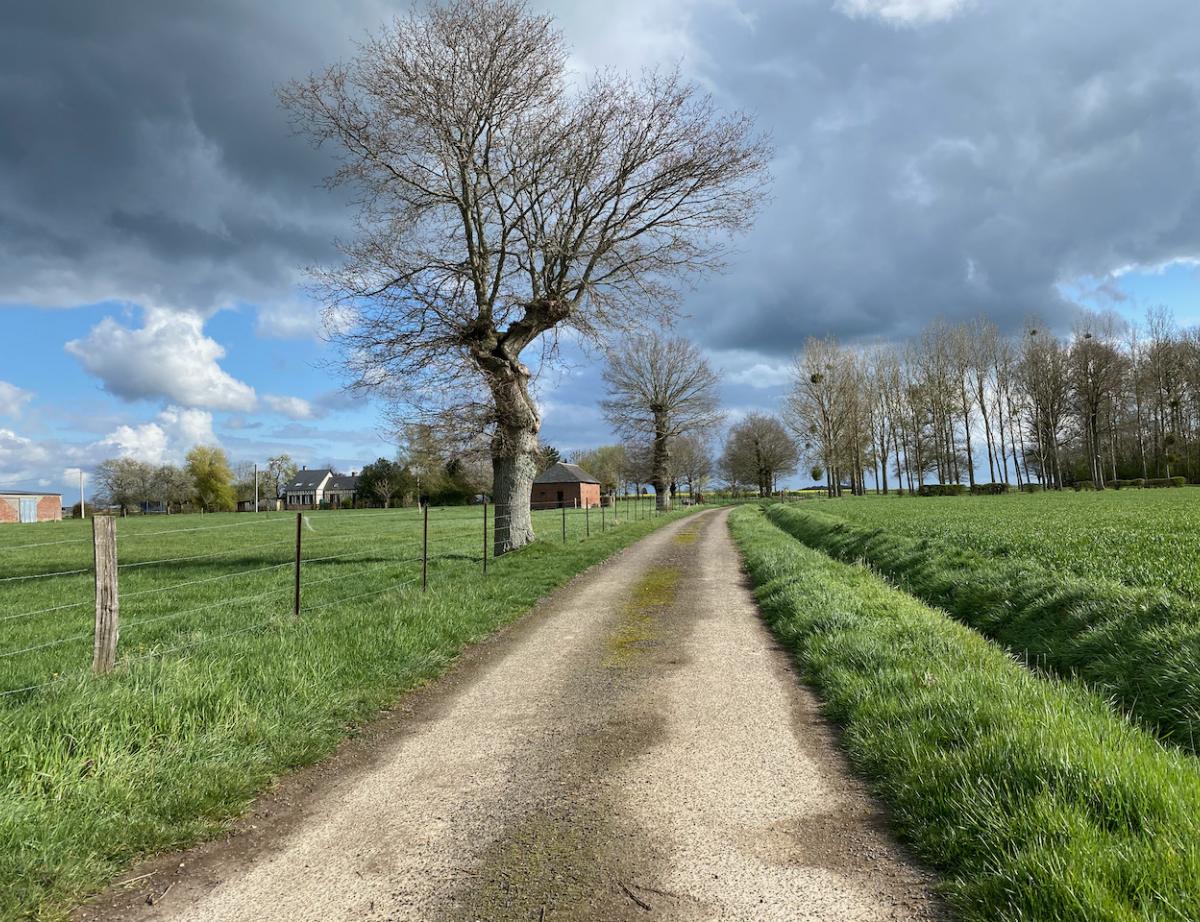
(637, 748)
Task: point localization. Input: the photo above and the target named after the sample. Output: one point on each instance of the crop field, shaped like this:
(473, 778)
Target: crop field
(218, 688)
(1145, 538)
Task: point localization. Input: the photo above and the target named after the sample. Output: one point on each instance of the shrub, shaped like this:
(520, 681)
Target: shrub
(1135, 484)
(1166, 482)
(1082, 485)
(989, 489)
(1141, 647)
(1031, 488)
(942, 489)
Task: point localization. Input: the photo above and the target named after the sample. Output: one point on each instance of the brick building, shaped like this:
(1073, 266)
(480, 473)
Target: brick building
(565, 485)
(28, 507)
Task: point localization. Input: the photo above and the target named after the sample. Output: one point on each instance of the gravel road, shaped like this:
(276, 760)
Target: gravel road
(637, 748)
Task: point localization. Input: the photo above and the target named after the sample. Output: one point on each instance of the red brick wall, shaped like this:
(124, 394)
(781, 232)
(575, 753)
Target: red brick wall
(49, 509)
(545, 495)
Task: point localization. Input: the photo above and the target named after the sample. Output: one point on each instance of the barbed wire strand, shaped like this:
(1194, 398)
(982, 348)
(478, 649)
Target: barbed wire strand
(21, 547)
(17, 691)
(10, 579)
(360, 595)
(42, 611)
(205, 579)
(238, 550)
(126, 536)
(42, 646)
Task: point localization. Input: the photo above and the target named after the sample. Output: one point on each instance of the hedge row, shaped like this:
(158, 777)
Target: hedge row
(941, 489)
(989, 489)
(1140, 647)
(1030, 798)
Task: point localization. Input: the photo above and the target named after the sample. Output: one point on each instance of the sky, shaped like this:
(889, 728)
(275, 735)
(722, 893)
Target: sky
(933, 158)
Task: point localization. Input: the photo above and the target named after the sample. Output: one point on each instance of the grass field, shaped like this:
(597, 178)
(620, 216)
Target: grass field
(1031, 797)
(218, 689)
(1147, 538)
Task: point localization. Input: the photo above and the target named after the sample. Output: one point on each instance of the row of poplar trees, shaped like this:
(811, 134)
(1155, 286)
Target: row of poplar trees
(1111, 400)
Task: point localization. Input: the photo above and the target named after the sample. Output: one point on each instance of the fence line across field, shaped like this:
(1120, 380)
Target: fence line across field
(445, 526)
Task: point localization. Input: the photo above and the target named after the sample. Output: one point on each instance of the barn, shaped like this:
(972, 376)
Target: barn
(28, 507)
(564, 484)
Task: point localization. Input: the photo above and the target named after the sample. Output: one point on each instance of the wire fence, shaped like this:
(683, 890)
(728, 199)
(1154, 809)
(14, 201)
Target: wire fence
(152, 593)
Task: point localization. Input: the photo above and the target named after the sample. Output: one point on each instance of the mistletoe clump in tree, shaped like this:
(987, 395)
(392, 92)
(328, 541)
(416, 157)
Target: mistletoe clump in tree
(501, 203)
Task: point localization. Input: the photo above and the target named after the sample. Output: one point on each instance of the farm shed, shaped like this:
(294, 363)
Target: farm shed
(28, 507)
(564, 484)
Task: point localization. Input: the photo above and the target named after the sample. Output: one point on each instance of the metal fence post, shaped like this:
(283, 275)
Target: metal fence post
(299, 533)
(108, 601)
(425, 549)
(485, 504)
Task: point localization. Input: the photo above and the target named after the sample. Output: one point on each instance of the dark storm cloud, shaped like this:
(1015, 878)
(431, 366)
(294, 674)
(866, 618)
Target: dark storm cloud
(959, 167)
(961, 164)
(143, 156)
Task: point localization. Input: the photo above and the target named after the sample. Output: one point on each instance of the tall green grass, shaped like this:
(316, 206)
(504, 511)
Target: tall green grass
(1031, 799)
(97, 772)
(1139, 647)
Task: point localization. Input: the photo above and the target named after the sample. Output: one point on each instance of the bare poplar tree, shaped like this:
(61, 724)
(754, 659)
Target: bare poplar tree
(660, 389)
(497, 206)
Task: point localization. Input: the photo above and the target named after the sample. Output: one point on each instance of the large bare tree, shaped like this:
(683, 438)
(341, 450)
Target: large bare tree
(498, 205)
(660, 389)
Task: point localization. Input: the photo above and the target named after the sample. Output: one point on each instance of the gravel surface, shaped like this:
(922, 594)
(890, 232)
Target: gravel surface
(636, 748)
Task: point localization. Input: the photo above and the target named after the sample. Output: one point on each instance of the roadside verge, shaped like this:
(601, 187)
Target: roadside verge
(1029, 796)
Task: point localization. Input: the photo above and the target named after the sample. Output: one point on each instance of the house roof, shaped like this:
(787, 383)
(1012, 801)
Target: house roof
(28, 493)
(308, 480)
(561, 472)
(344, 483)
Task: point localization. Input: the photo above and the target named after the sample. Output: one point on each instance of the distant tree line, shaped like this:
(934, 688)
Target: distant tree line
(1111, 402)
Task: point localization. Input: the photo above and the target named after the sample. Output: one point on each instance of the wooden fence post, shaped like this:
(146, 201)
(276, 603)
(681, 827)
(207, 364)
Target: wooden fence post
(587, 520)
(425, 548)
(564, 511)
(108, 601)
(485, 534)
(299, 532)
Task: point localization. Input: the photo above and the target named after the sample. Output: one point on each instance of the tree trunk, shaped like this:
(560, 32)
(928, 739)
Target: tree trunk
(514, 446)
(661, 462)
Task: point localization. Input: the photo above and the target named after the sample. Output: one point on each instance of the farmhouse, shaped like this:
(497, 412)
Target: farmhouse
(25, 507)
(309, 489)
(564, 484)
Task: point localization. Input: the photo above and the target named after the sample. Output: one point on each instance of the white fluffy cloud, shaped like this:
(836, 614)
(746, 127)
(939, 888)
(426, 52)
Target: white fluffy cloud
(169, 358)
(13, 399)
(903, 12)
(291, 407)
(167, 438)
(21, 459)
